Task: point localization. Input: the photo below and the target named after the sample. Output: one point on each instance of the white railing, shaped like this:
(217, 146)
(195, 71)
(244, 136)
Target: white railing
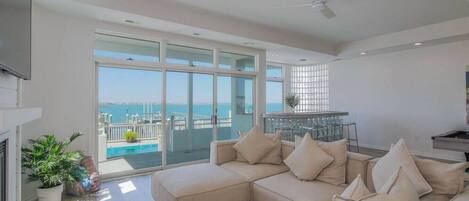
(115, 132)
(154, 131)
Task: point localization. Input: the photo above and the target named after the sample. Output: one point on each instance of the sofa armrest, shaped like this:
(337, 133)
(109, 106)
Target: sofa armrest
(222, 151)
(464, 196)
(357, 164)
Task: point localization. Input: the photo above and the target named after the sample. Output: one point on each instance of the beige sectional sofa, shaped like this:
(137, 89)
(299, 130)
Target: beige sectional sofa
(226, 179)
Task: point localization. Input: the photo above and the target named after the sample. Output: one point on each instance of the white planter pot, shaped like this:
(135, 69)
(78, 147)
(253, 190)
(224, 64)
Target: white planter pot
(50, 194)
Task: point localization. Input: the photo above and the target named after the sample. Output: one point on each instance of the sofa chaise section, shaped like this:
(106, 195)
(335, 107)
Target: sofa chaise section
(201, 182)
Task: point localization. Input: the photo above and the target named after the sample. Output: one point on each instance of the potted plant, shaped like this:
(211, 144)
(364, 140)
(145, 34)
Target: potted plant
(48, 162)
(292, 100)
(130, 136)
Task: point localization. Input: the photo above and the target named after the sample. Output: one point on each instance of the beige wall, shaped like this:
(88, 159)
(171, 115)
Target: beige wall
(412, 94)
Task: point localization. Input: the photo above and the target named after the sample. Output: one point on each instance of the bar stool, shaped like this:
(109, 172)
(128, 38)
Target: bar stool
(346, 127)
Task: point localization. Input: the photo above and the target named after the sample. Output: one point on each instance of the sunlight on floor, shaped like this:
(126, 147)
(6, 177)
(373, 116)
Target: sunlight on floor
(126, 187)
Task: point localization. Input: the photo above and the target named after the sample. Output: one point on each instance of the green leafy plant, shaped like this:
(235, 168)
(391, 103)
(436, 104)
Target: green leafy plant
(131, 136)
(292, 100)
(48, 162)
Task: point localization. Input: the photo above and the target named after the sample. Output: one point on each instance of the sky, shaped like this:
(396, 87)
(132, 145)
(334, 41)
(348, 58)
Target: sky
(119, 85)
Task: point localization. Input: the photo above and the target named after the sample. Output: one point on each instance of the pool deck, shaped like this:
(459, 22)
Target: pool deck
(148, 160)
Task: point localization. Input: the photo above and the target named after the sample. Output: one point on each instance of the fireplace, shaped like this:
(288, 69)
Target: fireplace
(3, 170)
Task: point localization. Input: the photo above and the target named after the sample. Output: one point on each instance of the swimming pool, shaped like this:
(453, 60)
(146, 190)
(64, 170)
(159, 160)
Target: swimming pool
(131, 150)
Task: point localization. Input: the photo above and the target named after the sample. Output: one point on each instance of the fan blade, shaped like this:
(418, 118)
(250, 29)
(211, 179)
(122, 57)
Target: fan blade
(294, 6)
(327, 12)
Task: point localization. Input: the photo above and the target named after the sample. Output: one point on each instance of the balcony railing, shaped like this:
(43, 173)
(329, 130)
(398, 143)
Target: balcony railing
(154, 131)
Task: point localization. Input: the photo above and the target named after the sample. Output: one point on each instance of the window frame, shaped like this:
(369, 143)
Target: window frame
(276, 79)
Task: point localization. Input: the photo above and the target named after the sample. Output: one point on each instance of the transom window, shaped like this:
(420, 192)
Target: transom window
(190, 56)
(122, 48)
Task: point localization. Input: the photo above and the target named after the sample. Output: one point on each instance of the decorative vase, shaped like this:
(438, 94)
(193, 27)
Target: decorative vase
(50, 194)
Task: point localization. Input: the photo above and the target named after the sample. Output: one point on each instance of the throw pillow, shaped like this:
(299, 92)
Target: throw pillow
(399, 156)
(398, 187)
(444, 178)
(308, 159)
(335, 173)
(273, 157)
(254, 146)
(356, 190)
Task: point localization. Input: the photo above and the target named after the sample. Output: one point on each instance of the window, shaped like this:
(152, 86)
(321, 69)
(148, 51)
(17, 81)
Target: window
(274, 89)
(237, 62)
(122, 48)
(311, 84)
(190, 56)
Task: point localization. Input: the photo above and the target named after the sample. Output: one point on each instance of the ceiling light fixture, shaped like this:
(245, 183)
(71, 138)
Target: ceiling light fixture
(196, 34)
(362, 53)
(129, 21)
(303, 60)
(418, 44)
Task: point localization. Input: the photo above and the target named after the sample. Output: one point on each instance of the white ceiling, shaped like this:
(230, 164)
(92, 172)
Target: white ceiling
(288, 34)
(356, 19)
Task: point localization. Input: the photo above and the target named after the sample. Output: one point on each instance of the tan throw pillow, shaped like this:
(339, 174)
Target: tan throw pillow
(335, 173)
(444, 178)
(356, 190)
(399, 156)
(273, 157)
(398, 187)
(308, 159)
(254, 146)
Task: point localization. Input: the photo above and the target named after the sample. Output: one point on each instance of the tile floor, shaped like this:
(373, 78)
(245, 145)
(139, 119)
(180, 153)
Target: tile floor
(130, 189)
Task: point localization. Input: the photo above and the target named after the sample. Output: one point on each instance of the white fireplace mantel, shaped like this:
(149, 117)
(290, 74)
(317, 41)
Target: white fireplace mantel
(12, 117)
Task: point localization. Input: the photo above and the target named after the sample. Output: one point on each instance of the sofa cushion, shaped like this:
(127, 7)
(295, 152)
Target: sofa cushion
(201, 182)
(399, 156)
(335, 173)
(356, 190)
(445, 178)
(286, 187)
(254, 146)
(398, 187)
(273, 157)
(308, 159)
(254, 172)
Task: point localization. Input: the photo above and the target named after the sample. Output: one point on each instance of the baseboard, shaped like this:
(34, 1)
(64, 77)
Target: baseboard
(419, 153)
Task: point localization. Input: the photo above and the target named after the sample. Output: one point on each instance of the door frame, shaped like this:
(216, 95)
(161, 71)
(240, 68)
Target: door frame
(130, 65)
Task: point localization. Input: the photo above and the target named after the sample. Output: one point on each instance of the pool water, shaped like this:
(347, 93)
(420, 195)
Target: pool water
(131, 150)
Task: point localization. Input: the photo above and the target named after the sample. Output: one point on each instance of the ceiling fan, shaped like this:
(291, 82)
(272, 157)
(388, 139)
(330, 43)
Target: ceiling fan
(316, 5)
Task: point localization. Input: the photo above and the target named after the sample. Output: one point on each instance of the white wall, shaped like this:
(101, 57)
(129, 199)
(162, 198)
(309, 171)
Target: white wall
(63, 75)
(412, 94)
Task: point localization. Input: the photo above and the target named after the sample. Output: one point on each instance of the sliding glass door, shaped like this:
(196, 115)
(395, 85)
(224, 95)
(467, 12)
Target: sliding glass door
(235, 106)
(161, 103)
(189, 98)
(130, 129)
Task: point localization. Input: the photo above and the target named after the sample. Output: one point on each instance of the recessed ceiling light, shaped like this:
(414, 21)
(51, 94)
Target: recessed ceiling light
(196, 34)
(418, 44)
(303, 60)
(129, 21)
(362, 53)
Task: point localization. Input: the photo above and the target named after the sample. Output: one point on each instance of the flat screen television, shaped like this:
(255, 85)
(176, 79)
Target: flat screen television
(15, 37)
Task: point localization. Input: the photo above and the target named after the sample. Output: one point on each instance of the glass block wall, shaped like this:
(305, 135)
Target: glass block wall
(311, 84)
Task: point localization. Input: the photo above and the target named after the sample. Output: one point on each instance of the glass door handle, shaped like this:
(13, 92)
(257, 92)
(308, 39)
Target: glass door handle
(213, 119)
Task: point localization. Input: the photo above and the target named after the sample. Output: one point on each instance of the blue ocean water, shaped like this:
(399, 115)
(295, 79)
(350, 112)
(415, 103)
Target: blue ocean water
(119, 111)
